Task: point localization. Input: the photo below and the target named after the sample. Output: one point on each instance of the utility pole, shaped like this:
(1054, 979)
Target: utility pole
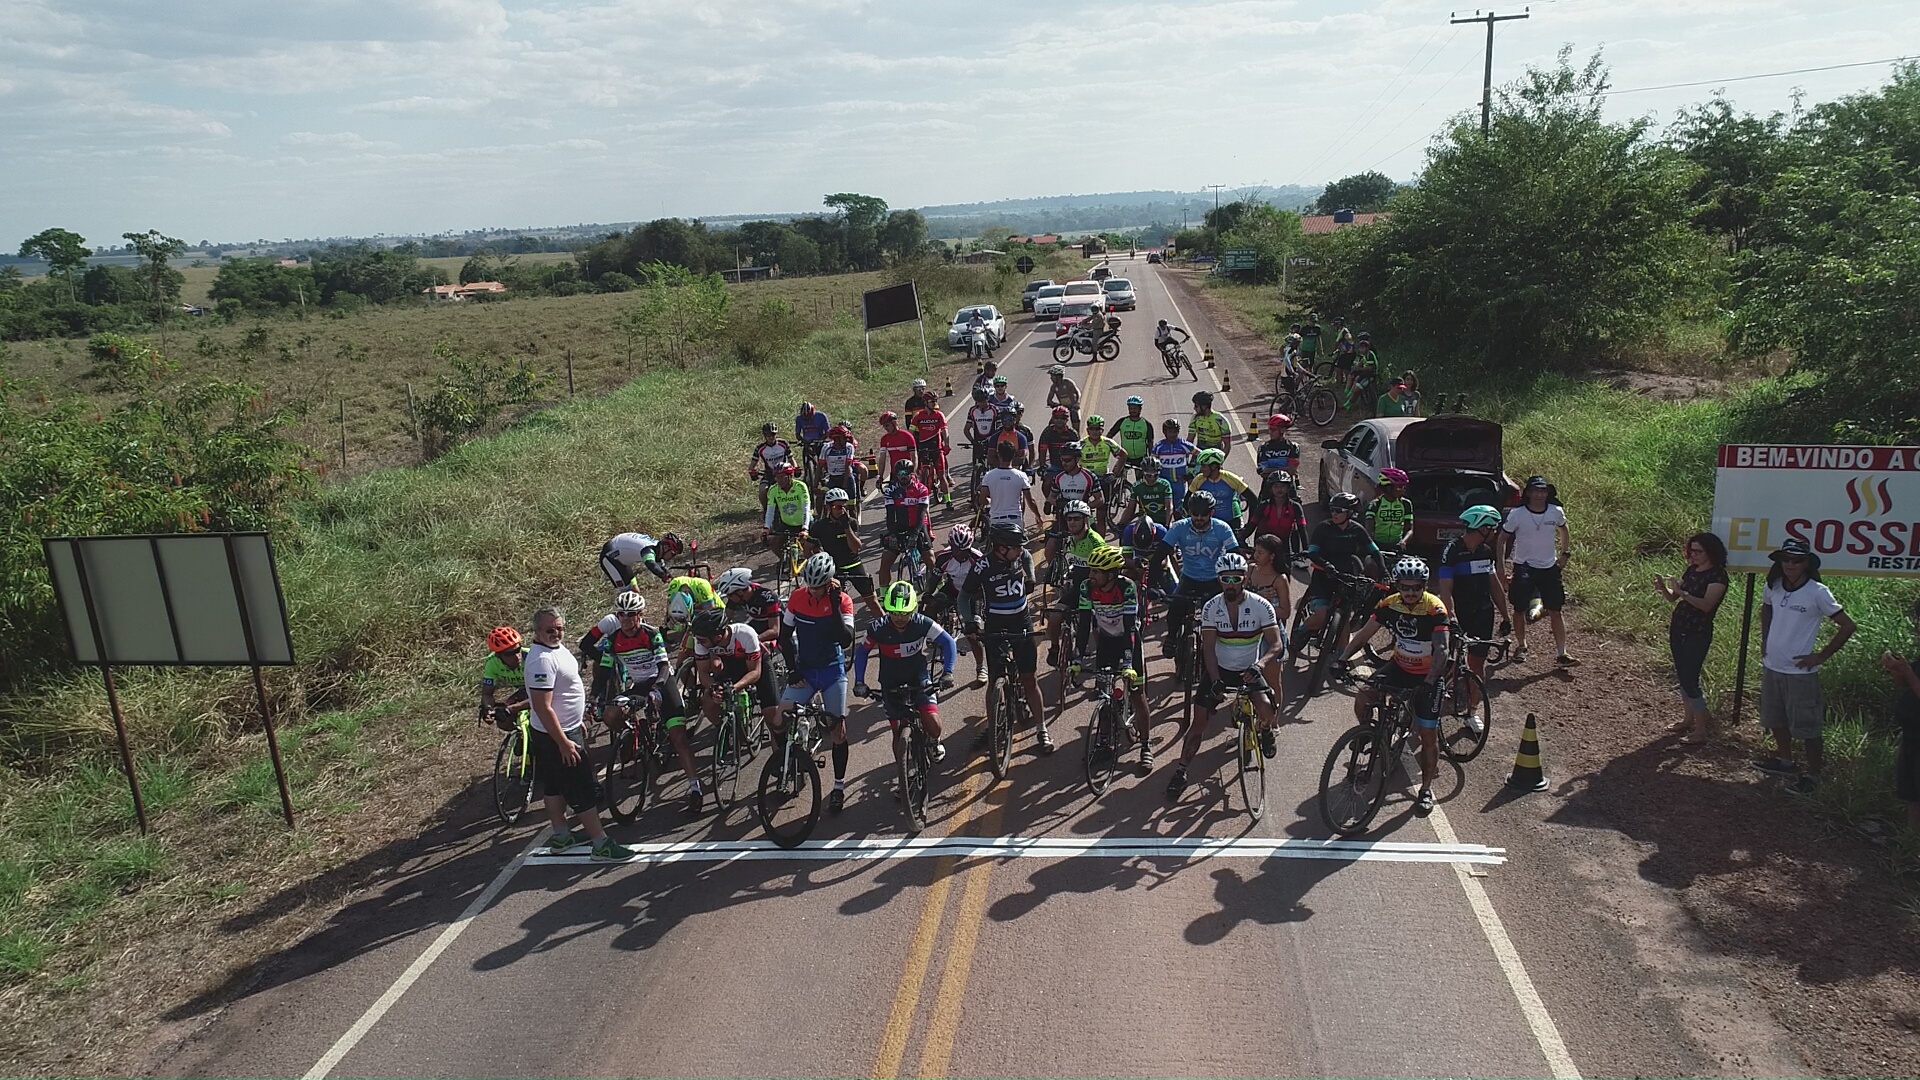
(1486, 84)
(1215, 188)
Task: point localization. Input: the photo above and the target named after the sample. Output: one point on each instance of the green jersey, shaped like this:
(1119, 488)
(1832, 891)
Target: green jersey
(791, 507)
(1389, 519)
(1209, 431)
(1135, 436)
(496, 674)
(1386, 406)
(1076, 552)
(1155, 496)
(1100, 455)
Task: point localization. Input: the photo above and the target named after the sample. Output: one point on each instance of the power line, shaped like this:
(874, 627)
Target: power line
(1762, 75)
(1415, 112)
(1369, 114)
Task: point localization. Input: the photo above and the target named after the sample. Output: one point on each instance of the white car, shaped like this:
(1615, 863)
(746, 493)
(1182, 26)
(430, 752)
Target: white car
(1119, 294)
(959, 333)
(1046, 302)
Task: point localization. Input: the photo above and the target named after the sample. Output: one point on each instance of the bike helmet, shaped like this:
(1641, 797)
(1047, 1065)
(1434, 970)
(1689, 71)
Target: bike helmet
(1019, 408)
(1282, 476)
(629, 603)
(1200, 502)
(1230, 562)
(1203, 398)
(1094, 420)
(679, 605)
(1076, 506)
(806, 408)
(1071, 449)
(1345, 500)
(785, 468)
(961, 538)
(900, 599)
(836, 495)
(1410, 568)
(1106, 557)
(769, 430)
(1163, 322)
(1279, 422)
(735, 580)
(1396, 477)
(1004, 535)
(1170, 424)
(1056, 370)
(1136, 402)
(503, 639)
(839, 431)
(980, 393)
(902, 469)
(710, 623)
(817, 571)
(919, 384)
(671, 546)
(1213, 457)
(889, 417)
(1481, 517)
(1061, 412)
(999, 380)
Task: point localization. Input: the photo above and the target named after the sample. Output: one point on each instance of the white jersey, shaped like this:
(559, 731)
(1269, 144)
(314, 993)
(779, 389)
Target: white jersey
(1237, 634)
(555, 669)
(1005, 491)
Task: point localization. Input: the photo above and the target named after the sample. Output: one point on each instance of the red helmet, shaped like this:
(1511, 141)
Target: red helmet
(1060, 412)
(889, 418)
(785, 468)
(840, 431)
(503, 639)
(672, 546)
(1279, 420)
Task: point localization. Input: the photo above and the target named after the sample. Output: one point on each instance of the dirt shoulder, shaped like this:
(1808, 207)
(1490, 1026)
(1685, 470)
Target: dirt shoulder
(1655, 887)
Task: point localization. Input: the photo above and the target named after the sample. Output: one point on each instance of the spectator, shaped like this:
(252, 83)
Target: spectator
(1536, 538)
(1695, 596)
(565, 769)
(1796, 603)
(1397, 401)
(1268, 576)
(1906, 712)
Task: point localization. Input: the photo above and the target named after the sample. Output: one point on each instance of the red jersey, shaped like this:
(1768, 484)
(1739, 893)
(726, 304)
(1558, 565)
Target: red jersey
(928, 425)
(896, 445)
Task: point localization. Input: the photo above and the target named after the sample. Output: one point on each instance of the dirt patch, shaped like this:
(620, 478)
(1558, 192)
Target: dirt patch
(1661, 387)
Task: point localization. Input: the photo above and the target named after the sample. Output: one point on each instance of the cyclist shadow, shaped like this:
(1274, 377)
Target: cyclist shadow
(1273, 895)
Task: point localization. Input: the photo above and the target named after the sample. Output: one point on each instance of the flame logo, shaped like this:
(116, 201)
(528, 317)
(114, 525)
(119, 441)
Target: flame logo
(1869, 497)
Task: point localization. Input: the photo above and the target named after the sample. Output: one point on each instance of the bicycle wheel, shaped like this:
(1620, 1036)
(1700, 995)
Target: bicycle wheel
(1458, 714)
(1171, 362)
(1353, 782)
(789, 802)
(912, 765)
(1187, 362)
(730, 756)
(1253, 764)
(999, 729)
(1324, 645)
(1063, 351)
(629, 778)
(1323, 371)
(1102, 753)
(1322, 406)
(512, 778)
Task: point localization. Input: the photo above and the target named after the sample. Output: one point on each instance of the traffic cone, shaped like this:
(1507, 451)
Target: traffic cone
(1527, 774)
(950, 385)
(1226, 382)
(1206, 354)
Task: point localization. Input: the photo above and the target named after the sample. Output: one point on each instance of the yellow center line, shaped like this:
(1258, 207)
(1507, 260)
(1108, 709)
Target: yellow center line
(943, 1025)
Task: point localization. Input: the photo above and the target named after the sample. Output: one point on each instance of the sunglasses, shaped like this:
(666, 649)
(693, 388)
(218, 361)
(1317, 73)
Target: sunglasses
(625, 615)
(1795, 559)
(1232, 579)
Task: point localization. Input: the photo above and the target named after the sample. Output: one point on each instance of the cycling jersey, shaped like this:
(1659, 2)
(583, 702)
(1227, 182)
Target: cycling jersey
(1100, 455)
(1413, 627)
(1368, 366)
(929, 426)
(768, 455)
(791, 506)
(839, 458)
(1176, 459)
(957, 563)
(1051, 440)
(1135, 436)
(1074, 484)
(812, 429)
(1226, 490)
(1163, 335)
(742, 644)
(1341, 545)
(626, 554)
(640, 652)
(757, 605)
(1110, 612)
(1199, 550)
(1277, 454)
(980, 421)
(817, 629)
(1390, 520)
(1064, 391)
(831, 532)
(1310, 340)
(1155, 497)
(1074, 553)
(896, 445)
(495, 673)
(1001, 586)
(1237, 628)
(1144, 537)
(907, 506)
(696, 594)
(1281, 517)
(1209, 430)
(903, 650)
(1471, 570)
(1013, 437)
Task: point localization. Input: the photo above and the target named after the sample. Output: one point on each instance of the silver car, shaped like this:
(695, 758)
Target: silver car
(1119, 294)
(1046, 302)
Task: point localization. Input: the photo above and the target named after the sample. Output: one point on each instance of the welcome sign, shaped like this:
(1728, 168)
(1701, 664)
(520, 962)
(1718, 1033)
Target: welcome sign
(1857, 506)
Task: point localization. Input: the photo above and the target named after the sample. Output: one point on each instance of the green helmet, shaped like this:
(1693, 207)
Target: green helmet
(1095, 421)
(1480, 517)
(900, 599)
(1213, 457)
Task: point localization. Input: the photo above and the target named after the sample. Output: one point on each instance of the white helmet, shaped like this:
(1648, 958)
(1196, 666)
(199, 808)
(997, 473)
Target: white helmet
(1410, 566)
(679, 606)
(1230, 562)
(733, 581)
(629, 603)
(817, 571)
(1056, 370)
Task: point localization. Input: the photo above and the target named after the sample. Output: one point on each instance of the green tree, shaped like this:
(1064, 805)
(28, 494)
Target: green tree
(861, 217)
(904, 234)
(1365, 192)
(1739, 157)
(1268, 230)
(65, 253)
(163, 282)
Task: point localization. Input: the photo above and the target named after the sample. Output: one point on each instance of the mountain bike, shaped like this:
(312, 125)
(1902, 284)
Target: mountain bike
(912, 565)
(736, 738)
(1353, 782)
(1004, 698)
(1466, 714)
(641, 754)
(513, 771)
(1110, 730)
(1357, 594)
(912, 750)
(786, 569)
(1174, 357)
(789, 799)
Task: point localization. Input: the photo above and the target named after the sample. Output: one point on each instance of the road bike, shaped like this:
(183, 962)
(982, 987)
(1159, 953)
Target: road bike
(810, 468)
(912, 565)
(789, 799)
(912, 749)
(1353, 782)
(514, 770)
(1004, 698)
(786, 569)
(1175, 357)
(1110, 730)
(641, 754)
(736, 738)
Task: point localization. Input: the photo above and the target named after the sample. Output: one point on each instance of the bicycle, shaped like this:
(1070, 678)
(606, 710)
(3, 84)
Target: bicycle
(1250, 765)
(1463, 694)
(1175, 357)
(513, 770)
(789, 797)
(640, 755)
(1110, 730)
(786, 569)
(1353, 782)
(1357, 594)
(1004, 698)
(736, 738)
(912, 750)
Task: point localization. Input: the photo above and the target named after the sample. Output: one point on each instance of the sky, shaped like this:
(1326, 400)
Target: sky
(232, 120)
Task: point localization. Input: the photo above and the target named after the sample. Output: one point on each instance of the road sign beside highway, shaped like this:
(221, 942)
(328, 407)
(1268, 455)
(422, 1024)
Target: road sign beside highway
(1240, 259)
(1024, 264)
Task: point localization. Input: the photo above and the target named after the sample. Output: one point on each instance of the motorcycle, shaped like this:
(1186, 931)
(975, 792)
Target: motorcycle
(980, 344)
(1080, 342)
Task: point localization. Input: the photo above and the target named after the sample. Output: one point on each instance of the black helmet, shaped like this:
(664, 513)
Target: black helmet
(769, 429)
(1203, 397)
(980, 393)
(1009, 535)
(1345, 500)
(1200, 502)
(709, 623)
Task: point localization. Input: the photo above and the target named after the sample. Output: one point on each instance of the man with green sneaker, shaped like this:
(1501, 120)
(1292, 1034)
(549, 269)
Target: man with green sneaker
(559, 702)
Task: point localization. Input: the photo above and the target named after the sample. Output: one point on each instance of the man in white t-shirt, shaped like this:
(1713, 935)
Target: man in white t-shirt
(1009, 490)
(558, 700)
(1791, 707)
(1535, 537)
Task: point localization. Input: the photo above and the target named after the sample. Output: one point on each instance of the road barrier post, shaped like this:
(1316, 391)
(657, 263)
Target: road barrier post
(1740, 668)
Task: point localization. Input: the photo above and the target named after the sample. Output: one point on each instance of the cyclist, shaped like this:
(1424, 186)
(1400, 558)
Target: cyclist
(1369, 370)
(816, 631)
(624, 556)
(1001, 398)
(1152, 498)
(984, 380)
(1240, 647)
(749, 602)
(1108, 620)
(1279, 512)
(734, 663)
(1058, 433)
(1145, 563)
(1071, 482)
(1174, 454)
(1103, 458)
(810, 429)
(906, 502)
(505, 669)
(1389, 516)
(1339, 543)
(1166, 335)
(1228, 490)
(1467, 580)
(1208, 429)
(980, 421)
(929, 427)
(1064, 393)
(1418, 622)
(1008, 432)
(687, 596)
(952, 567)
(840, 465)
(836, 533)
(557, 703)
(1009, 490)
(1134, 432)
(903, 637)
(789, 511)
(1342, 338)
(1200, 541)
(1000, 583)
(767, 456)
(1069, 543)
(896, 445)
(1279, 451)
(1310, 341)
(919, 397)
(640, 651)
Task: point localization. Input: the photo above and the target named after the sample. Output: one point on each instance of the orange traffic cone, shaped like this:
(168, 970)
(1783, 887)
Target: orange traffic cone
(1527, 774)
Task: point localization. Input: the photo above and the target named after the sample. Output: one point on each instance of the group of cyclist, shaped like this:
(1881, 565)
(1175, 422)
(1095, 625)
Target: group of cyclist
(1358, 368)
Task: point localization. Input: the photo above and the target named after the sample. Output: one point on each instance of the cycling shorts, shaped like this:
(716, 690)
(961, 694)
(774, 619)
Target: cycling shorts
(1111, 651)
(1251, 678)
(829, 683)
(1477, 623)
(1426, 699)
(1026, 653)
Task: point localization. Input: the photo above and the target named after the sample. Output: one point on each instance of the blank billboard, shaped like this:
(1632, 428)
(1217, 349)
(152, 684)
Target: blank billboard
(171, 600)
(891, 305)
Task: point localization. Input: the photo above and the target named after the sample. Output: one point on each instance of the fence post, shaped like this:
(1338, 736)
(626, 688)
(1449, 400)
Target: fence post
(343, 434)
(413, 424)
(569, 372)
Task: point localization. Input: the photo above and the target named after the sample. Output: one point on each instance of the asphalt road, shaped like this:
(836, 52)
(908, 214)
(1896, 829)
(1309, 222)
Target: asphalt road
(1034, 930)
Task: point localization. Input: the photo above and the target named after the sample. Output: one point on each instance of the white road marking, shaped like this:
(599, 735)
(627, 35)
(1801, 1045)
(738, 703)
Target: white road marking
(421, 963)
(1545, 1033)
(1012, 847)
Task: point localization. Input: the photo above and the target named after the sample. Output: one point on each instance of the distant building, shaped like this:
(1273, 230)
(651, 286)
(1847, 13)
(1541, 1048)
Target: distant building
(750, 273)
(1321, 224)
(290, 263)
(464, 292)
(977, 258)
